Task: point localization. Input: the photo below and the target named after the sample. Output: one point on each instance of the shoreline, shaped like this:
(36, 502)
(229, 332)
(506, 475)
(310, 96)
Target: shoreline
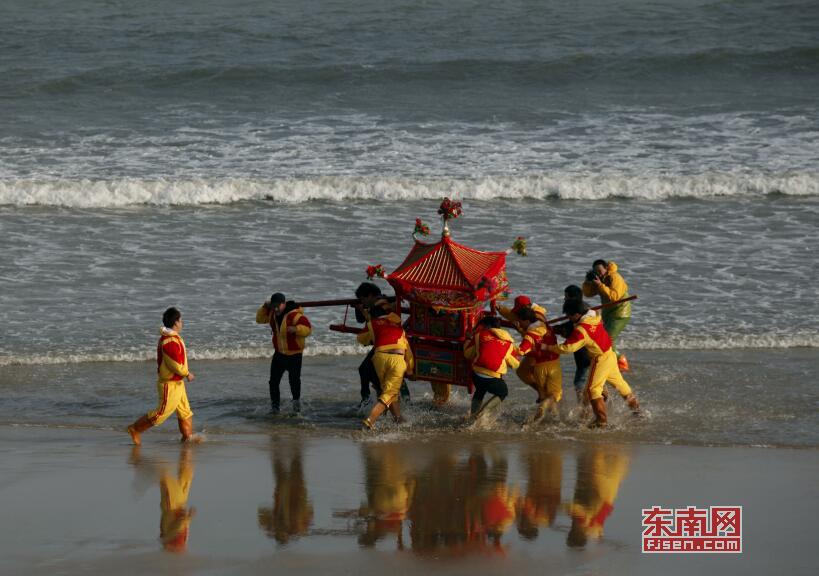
(690, 398)
(167, 434)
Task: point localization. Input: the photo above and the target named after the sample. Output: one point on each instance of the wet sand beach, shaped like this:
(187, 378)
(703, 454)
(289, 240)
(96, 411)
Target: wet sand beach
(85, 501)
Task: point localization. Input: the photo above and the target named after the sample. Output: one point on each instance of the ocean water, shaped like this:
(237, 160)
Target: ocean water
(206, 154)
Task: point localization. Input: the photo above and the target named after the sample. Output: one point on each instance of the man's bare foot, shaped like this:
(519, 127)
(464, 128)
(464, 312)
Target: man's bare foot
(134, 436)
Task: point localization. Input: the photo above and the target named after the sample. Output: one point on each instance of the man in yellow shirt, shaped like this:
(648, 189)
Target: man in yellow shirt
(605, 281)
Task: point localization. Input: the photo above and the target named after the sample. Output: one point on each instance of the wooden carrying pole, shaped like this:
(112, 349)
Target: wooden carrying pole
(509, 324)
(598, 307)
(339, 302)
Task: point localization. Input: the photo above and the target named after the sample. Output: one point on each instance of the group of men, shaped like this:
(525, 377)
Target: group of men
(589, 336)
(490, 348)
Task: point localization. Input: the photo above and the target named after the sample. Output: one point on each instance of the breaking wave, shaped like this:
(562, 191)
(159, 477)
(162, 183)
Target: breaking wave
(706, 342)
(136, 192)
(203, 353)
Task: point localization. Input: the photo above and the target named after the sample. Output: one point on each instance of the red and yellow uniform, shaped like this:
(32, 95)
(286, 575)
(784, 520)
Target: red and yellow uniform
(392, 357)
(525, 371)
(589, 332)
(172, 368)
(283, 341)
(547, 377)
(491, 350)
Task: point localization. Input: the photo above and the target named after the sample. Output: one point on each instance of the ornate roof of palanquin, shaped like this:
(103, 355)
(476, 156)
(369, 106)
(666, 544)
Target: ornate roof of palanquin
(447, 265)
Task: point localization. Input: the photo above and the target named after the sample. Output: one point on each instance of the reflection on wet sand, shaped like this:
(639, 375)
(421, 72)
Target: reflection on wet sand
(291, 513)
(539, 506)
(462, 505)
(452, 501)
(389, 489)
(600, 470)
(174, 488)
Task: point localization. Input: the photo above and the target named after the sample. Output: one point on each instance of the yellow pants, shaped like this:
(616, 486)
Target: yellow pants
(548, 379)
(604, 370)
(390, 369)
(525, 371)
(172, 398)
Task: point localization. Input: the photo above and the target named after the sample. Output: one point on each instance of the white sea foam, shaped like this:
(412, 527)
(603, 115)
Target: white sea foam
(131, 192)
(705, 342)
(724, 342)
(244, 353)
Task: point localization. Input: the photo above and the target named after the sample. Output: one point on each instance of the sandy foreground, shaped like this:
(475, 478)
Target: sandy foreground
(78, 501)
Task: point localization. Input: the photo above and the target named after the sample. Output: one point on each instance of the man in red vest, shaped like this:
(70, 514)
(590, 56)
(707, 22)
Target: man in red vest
(370, 296)
(491, 350)
(392, 359)
(589, 333)
(290, 327)
(172, 371)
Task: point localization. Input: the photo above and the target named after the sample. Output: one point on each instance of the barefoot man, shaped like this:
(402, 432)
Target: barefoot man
(172, 368)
